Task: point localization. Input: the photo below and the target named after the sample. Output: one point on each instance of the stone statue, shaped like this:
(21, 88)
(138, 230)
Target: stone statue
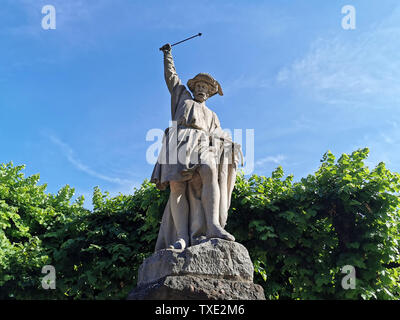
(199, 162)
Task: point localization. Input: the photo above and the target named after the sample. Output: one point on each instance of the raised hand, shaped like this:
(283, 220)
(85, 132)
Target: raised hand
(166, 48)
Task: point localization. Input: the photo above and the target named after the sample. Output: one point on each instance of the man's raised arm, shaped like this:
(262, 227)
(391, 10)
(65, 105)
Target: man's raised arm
(171, 77)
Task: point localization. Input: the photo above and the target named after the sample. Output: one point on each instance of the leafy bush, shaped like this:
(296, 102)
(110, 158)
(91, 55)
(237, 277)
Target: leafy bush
(96, 254)
(299, 234)
(27, 216)
(101, 252)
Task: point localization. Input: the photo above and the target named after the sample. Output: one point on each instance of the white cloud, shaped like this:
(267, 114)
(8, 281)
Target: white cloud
(264, 18)
(383, 146)
(74, 160)
(73, 18)
(359, 69)
(245, 81)
(270, 159)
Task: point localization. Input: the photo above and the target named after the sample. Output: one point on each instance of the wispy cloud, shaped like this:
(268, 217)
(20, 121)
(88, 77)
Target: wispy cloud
(264, 18)
(75, 21)
(383, 143)
(360, 70)
(270, 159)
(67, 11)
(245, 81)
(69, 153)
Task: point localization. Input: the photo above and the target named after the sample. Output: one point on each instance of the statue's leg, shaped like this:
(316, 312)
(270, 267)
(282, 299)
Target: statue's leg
(223, 204)
(196, 217)
(210, 198)
(180, 213)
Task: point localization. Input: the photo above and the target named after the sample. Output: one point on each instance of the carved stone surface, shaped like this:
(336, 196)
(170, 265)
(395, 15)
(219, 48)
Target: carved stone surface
(217, 258)
(213, 269)
(197, 288)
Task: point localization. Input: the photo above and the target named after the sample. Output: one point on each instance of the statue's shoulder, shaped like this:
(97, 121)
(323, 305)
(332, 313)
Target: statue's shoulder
(215, 118)
(213, 113)
(181, 91)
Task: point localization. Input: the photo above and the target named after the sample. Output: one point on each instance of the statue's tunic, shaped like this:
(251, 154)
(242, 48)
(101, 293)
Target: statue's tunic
(185, 145)
(188, 139)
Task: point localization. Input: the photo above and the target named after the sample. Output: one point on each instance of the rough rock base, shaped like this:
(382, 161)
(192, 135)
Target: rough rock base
(215, 269)
(197, 288)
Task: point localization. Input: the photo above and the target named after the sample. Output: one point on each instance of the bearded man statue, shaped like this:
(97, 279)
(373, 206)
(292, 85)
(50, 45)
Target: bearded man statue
(198, 160)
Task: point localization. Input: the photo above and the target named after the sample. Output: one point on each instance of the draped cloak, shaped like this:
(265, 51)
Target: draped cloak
(195, 137)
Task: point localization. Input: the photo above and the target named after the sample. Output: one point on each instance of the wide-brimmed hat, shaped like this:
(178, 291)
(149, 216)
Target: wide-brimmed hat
(215, 87)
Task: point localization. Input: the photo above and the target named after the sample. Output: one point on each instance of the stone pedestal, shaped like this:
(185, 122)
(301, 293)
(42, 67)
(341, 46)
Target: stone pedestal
(213, 270)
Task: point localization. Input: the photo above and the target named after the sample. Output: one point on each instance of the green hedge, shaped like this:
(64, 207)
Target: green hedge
(299, 234)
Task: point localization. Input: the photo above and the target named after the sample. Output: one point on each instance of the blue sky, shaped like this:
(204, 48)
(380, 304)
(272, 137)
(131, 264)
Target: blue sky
(77, 102)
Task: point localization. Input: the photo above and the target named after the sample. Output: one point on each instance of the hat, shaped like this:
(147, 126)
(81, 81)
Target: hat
(207, 78)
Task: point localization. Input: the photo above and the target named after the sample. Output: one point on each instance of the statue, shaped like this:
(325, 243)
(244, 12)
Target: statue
(202, 172)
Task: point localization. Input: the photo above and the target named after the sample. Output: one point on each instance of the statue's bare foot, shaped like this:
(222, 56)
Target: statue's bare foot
(180, 244)
(218, 232)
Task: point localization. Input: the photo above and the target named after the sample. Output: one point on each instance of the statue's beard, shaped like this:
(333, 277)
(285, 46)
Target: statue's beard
(201, 97)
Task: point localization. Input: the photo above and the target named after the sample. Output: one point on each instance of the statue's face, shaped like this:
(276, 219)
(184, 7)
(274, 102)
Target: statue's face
(201, 90)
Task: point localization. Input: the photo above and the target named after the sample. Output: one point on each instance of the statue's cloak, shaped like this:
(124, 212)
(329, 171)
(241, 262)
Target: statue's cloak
(195, 136)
